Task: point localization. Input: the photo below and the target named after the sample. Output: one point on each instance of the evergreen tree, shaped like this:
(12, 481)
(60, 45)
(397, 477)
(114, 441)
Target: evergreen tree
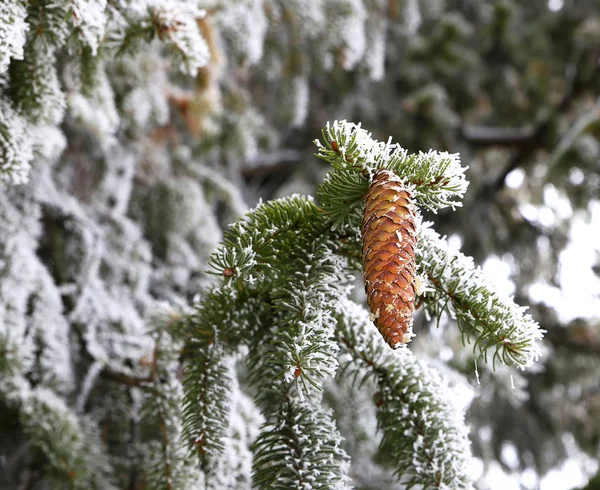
(146, 342)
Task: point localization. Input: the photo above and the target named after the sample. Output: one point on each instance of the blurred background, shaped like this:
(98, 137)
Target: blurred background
(155, 165)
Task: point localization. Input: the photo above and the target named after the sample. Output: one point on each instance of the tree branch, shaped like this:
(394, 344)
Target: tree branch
(497, 136)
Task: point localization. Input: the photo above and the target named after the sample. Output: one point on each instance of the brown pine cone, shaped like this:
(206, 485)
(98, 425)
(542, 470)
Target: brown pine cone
(388, 249)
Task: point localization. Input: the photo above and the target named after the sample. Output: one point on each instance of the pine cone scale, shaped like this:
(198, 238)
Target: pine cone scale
(389, 236)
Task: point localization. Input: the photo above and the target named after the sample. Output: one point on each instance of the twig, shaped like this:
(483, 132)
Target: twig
(498, 136)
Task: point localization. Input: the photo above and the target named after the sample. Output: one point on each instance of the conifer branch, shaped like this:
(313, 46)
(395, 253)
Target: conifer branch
(254, 241)
(173, 23)
(436, 179)
(71, 446)
(35, 89)
(282, 280)
(167, 465)
(292, 348)
(206, 402)
(16, 145)
(224, 320)
(300, 448)
(300, 349)
(13, 31)
(424, 434)
(484, 317)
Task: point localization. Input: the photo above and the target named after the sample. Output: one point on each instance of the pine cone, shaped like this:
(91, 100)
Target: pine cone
(389, 239)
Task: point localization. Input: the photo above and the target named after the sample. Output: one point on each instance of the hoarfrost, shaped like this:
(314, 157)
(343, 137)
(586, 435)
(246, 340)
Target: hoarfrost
(16, 145)
(13, 31)
(505, 326)
(90, 20)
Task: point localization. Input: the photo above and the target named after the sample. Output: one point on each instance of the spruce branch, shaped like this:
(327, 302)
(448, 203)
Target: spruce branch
(35, 89)
(89, 22)
(284, 314)
(300, 448)
(166, 460)
(255, 241)
(282, 278)
(206, 402)
(13, 31)
(16, 145)
(300, 349)
(484, 317)
(175, 24)
(48, 28)
(71, 446)
(436, 179)
(424, 434)
(221, 321)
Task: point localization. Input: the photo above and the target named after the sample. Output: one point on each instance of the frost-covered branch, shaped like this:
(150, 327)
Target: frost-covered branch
(284, 313)
(16, 145)
(257, 239)
(13, 31)
(424, 434)
(166, 461)
(173, 22)
(300, 349)
(223, 319)
(71, 446)
(300, 448)
(488, 319)
(436, 179)
(39, 39)
(206, 402)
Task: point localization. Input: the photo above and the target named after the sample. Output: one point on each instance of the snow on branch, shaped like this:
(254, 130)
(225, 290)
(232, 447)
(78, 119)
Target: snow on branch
(174, 23)
(300, 447)
(221, 321)
(206, 402)
(13, 31)
(254, 242)
(300, 349)
(484, 316)
(424, 433)
(16, 145)
(71, 446)
(437, 179)
(166, 461)
(35, 88)
(89, 19)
